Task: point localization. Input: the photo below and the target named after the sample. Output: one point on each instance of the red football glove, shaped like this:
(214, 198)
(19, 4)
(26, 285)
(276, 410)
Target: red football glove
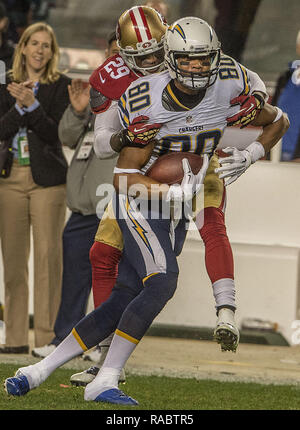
(251, 105)
(139, 133)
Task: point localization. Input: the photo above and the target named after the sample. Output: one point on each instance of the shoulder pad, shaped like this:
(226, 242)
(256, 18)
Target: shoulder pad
(112, 78)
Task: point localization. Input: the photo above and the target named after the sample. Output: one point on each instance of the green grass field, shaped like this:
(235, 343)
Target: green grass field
(154, 393)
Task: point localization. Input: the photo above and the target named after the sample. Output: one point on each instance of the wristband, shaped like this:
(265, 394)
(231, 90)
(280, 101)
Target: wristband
(118, 170)
(279, 114)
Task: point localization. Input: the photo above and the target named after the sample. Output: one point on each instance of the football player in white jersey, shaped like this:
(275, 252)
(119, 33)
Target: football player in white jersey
(251, 91)
(148, 269)
(141, 30)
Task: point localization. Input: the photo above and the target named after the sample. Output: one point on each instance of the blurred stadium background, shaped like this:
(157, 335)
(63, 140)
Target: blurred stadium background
(263, 209)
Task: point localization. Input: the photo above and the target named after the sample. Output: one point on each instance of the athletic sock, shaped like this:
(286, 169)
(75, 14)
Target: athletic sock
(119, 351)
(218, 253)
(218, 257)
(64, 352)
(104, 260)
(224, 293)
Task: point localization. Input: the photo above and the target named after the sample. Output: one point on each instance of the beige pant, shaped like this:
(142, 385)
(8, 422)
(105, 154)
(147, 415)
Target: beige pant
(25, 205)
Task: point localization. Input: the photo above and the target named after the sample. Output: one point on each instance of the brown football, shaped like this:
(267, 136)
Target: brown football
(168, 169)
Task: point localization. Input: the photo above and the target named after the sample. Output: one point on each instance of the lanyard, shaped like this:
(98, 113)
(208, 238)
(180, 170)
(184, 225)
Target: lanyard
(22, 140)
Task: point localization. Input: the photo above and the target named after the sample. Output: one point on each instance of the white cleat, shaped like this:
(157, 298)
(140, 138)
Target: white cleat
(226, 333)
(43, 351)
(81, 379)
(94, 355)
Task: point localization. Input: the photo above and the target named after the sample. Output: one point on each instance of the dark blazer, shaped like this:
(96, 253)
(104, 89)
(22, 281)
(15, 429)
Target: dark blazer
(47, 162)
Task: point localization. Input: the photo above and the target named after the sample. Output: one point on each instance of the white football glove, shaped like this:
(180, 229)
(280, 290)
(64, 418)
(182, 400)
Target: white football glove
(190, 184)
(189, 187)
(234, 166)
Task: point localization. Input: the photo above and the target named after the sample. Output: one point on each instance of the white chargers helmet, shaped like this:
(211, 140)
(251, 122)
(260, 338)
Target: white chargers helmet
(192, 37)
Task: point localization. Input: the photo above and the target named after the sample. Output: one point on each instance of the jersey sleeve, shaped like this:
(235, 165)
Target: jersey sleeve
(240, 79)
(108, 82)
(257, 84)
(105, 126)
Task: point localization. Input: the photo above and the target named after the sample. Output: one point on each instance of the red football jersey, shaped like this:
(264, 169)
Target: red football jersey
(111, 80)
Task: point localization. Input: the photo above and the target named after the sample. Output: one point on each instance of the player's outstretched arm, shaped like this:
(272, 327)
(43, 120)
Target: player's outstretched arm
(275, 124)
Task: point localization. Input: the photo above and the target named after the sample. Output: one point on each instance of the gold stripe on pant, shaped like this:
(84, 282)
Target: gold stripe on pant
(26, 207)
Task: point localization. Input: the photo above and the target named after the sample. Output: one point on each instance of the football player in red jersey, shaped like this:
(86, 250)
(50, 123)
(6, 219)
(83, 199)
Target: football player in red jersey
(140, 34)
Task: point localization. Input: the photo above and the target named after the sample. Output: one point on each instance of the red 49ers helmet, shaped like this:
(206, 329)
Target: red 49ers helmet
(140, 32)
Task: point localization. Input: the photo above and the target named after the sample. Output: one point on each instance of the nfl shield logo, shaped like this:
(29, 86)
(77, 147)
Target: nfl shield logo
(189, 119)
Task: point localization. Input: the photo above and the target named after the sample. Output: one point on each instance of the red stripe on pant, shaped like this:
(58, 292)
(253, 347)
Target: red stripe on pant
(218, 252)
(104, 260)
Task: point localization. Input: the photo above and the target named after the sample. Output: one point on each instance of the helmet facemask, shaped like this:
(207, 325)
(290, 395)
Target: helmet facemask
(194, 80)
(133, 58)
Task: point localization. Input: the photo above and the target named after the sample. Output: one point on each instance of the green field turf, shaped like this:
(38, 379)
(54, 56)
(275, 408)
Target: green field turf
(154, 393)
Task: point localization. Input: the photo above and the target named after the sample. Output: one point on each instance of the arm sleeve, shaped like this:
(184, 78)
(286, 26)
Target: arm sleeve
(106, 124)
(71, 126)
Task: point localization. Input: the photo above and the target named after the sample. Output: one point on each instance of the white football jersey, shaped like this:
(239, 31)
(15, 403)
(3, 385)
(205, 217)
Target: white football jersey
(198, 129)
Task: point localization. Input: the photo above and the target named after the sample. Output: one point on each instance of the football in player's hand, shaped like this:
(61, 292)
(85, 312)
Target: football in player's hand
(168, 169)
(221, 154)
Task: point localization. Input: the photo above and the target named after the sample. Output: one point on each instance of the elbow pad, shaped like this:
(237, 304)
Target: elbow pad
(99, 103)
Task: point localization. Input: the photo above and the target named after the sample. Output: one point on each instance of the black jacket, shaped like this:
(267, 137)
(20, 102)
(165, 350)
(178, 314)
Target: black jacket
(47, 162)
(6, 53)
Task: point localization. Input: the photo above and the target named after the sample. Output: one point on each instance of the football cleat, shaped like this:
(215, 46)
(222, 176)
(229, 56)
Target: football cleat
(116, 397)
(81, 379)
(43, 351)
(94, 355)
(226, 333)
(17, 385)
